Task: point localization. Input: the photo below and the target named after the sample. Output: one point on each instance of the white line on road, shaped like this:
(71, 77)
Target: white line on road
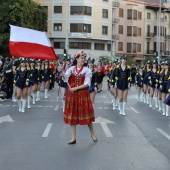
(106, 130)
(134, 110)
(163, 133)
(56, 108)
(47, 130)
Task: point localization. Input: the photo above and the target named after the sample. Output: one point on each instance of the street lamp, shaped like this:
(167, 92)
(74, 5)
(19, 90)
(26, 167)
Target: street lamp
(159, 30)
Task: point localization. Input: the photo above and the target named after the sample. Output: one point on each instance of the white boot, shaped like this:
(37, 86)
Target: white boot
(23, 105)
(144, 99)
(114, 103)
(63, 101)
(159, 104)
(141, 97)
(163, 109)
(38, 95)
(156, 102)
(124, 108)
(19, 104)
(147, 98)
(167, 109)
(33, 100)
(46, 93)
(112, 99)
(118, 104)
(121, 108)
(150, 101)
(138, 96)
(28, 102)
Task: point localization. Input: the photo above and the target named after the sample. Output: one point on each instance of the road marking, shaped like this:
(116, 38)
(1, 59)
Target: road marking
(163, 133)
(103, 123)
(6, 119)
(47, 130)
(134, 110)
(56, 108)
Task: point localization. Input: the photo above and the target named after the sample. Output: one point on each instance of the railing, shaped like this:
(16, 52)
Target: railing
(80, 35)
(115, 20)
(149, 51)
(115, 37)
(115, 4)
(150, 34)
(167, 36)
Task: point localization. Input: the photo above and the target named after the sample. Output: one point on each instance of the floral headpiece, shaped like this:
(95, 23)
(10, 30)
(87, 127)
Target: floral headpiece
(84, 54)
(78, 54)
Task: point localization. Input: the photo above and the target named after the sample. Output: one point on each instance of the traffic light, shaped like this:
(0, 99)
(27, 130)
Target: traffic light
(65, 53)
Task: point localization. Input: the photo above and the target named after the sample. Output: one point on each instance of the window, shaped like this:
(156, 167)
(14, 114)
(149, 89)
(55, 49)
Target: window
(139, 15)
(139, 31)
(57, 27)
(134, 47)
(80, 10)
(80, 28)
(105, 13)
(129, 30)
(138, 47)
(121, 12)
(59, 45)
(108, 47)
(135, 14)
(120, 29)
(129, 14)
(98, 46)
(79, 45)
(165, 18)
(104, 30)
(105, 0)
(57, 9)
(155, 30)
(129, 47)
(120, 46)
(134, 31)
(155, 46)
(148, 15)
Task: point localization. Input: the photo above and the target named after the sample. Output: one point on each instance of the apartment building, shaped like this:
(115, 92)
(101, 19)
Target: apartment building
(87, 25)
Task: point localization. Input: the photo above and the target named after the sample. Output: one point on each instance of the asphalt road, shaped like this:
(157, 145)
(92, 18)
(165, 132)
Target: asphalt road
(37, 139)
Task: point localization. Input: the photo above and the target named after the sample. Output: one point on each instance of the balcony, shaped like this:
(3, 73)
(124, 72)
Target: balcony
(115, 4)
(149, 51)
(167, 36)
(115, 37)
(80, 35)
(150, 34)
(115, 20)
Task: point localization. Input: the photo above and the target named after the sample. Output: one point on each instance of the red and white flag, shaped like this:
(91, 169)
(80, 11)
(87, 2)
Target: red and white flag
(30, 43)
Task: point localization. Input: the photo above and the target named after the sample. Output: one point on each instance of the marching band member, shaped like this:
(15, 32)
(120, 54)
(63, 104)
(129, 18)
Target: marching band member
(164, 87)
(21, 81)
(153, 83)
(139, 83)
(122, 83)
(46, 78)
(39, 79)
(146, 82)
(93, 86)
(79, 108)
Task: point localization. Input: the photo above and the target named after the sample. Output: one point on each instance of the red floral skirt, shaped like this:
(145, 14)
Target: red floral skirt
(78, 108)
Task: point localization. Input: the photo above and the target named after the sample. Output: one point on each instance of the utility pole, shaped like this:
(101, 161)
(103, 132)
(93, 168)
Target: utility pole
(159, 30)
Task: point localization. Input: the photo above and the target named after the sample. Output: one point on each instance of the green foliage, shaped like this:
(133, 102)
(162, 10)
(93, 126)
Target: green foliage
(151, 58)
(130, 60)
(24, 13)
(105, 59)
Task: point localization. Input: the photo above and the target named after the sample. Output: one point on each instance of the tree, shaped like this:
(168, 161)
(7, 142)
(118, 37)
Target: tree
(105, 59)
(24, 13)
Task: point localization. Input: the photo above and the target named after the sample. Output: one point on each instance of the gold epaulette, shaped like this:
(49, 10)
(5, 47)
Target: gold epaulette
(157, 72)
(149, 70)
(128, 66)
(161, 72)
(137, 74)
(117, 66)
(18, 68)
(28, 68)
(169, 78)
(110, 69)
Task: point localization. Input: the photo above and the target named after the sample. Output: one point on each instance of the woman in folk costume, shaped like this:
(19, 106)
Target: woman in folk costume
(46, 78)
(139, 83)
(153, 79)
(122, 83)
(164, 87)
(112, 80)
(93, 86)
(33, 83)
(21, 81)
(39, 79)
(78, 106)
(63, 85)
(146, 82)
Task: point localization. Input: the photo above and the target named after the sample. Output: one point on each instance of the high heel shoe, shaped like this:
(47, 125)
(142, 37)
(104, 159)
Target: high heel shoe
(95, 140)
(72, 142)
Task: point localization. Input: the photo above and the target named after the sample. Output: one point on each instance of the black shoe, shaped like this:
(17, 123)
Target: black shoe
(73, 142)
(95, 140)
